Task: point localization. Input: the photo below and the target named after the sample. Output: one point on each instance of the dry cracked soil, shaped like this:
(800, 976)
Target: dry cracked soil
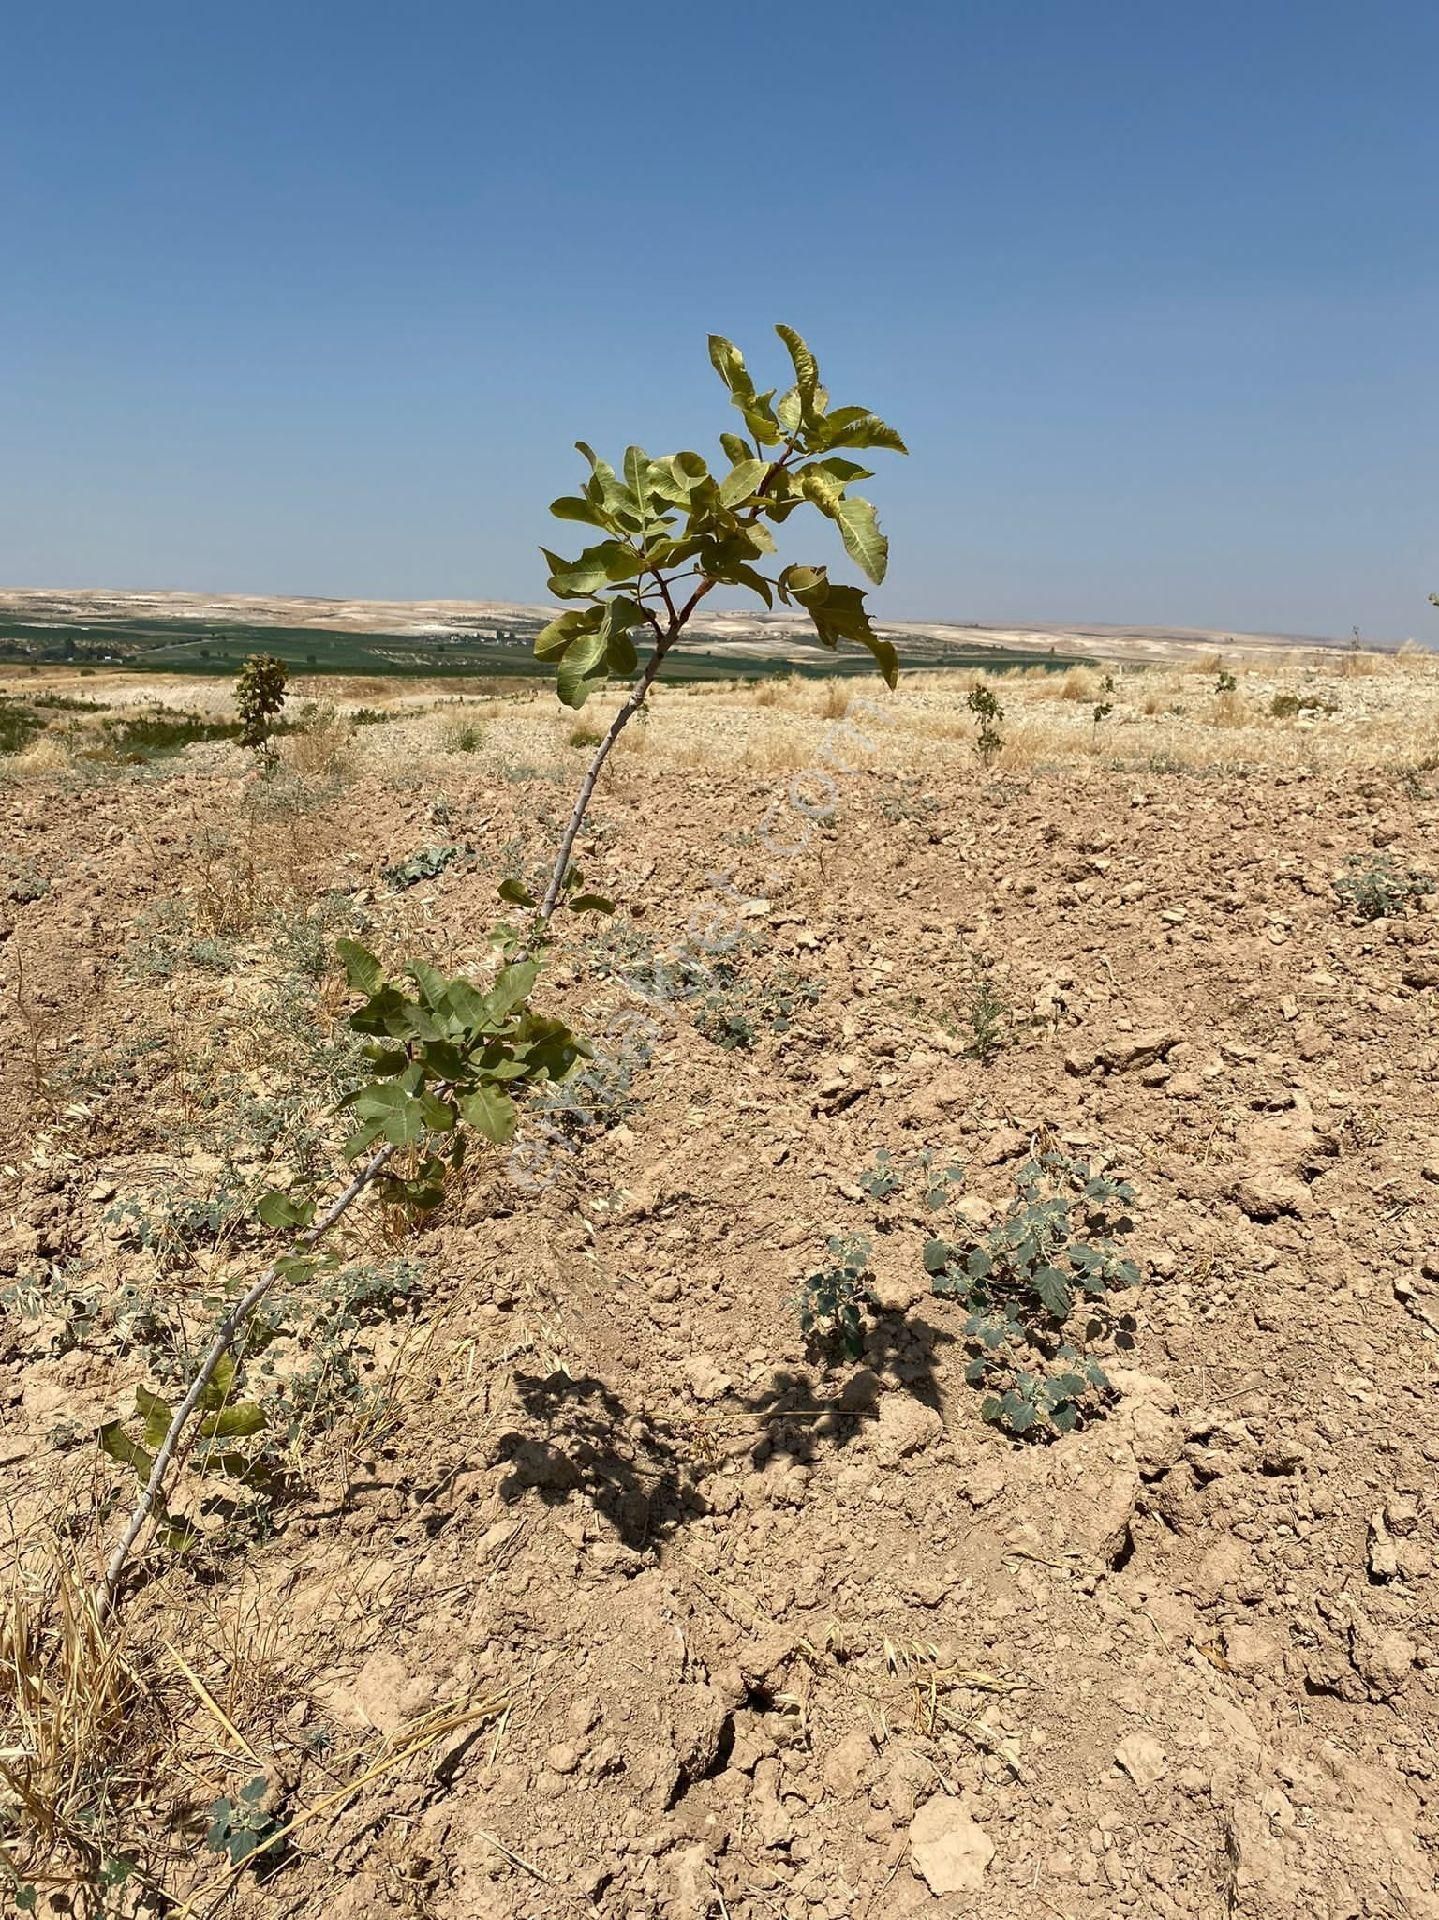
(588, 1586)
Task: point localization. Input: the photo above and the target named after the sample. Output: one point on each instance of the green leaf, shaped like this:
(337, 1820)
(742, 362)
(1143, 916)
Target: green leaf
(741, 575)
(363, 1138)
(601, 565)
(490, 1112)
(728, 363)
(280, 1211)
(299, 1268)
(620, 615)
(551, 641)
(592, 903)
(839, 469)
(234, 1422)
(513, 986)
(582, 669)
(574, 685)
(859, 529)
(516, 892)
(572, 506)
(156, 1413)
(858, 427)
(596, 655)
(740, 482)
(839, 614)
(759, 417)
(220, 1385)
(1054, 1294)
(736, 448)
(395, 1113)
(1016, 1412)
(603, 489)
(117, 1444)
(808, 585)
(438, 1114)
(822, 489)
(689, 470)
(636, 467)
(806, 368)
(363, 972)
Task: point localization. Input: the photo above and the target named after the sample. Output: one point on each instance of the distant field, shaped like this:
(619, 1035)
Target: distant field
(179, 645)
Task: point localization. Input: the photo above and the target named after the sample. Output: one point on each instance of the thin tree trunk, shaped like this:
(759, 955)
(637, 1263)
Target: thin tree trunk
(224, 1340)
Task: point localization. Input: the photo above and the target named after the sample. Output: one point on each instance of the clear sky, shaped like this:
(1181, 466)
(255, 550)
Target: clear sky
(313, 297)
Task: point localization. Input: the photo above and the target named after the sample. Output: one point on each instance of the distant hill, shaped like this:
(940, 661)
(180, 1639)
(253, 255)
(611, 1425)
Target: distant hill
(211, 633)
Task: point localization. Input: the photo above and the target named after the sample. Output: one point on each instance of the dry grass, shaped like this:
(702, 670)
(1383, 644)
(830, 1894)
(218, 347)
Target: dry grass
(1355, 664)
(1080, 683)
(321, 749)
(1229, 710)
(83, 1730)
(46, 755)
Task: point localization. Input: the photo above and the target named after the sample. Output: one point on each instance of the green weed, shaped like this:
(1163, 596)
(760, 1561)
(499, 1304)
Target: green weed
(832, 1299)
(1054, 1257)
(1375, 887)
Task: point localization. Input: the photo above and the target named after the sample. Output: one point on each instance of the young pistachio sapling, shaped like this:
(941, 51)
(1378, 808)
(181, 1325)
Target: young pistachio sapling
(450, 1057)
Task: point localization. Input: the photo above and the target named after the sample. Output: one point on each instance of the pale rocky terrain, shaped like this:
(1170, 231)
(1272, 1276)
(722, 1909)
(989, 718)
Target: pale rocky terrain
(592, 1588)
(753, 633)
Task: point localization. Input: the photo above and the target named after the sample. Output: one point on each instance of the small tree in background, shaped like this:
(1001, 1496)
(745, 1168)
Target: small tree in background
(259, 696)
(984, 704)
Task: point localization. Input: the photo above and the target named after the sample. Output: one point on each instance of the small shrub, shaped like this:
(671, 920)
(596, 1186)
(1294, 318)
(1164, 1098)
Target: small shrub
(30, 885)
(243, 1831)
(919, 1179)
(146, 736)
(465, 739)
(424, 865)
(18, 726)
(907, 803)
(730, 1005)
(1375, 888)
(1057, 1251)
(259, 696)
(984, 704)
(1287, 706)
(585, 737)
(66, 703)
(1226, 683)
(322, 740)
(832, 1299)
(990, 1018)
(883, 1180)
(449, 1060)
(736, 1009)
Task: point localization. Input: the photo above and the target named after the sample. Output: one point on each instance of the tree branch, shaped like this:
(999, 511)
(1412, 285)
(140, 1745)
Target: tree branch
(631, 706)
(224, 1340)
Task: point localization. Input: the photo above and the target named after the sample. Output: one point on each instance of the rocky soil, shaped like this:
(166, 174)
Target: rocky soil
(630, 1602)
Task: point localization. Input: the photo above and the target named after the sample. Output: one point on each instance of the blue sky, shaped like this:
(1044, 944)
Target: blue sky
(313, 298)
